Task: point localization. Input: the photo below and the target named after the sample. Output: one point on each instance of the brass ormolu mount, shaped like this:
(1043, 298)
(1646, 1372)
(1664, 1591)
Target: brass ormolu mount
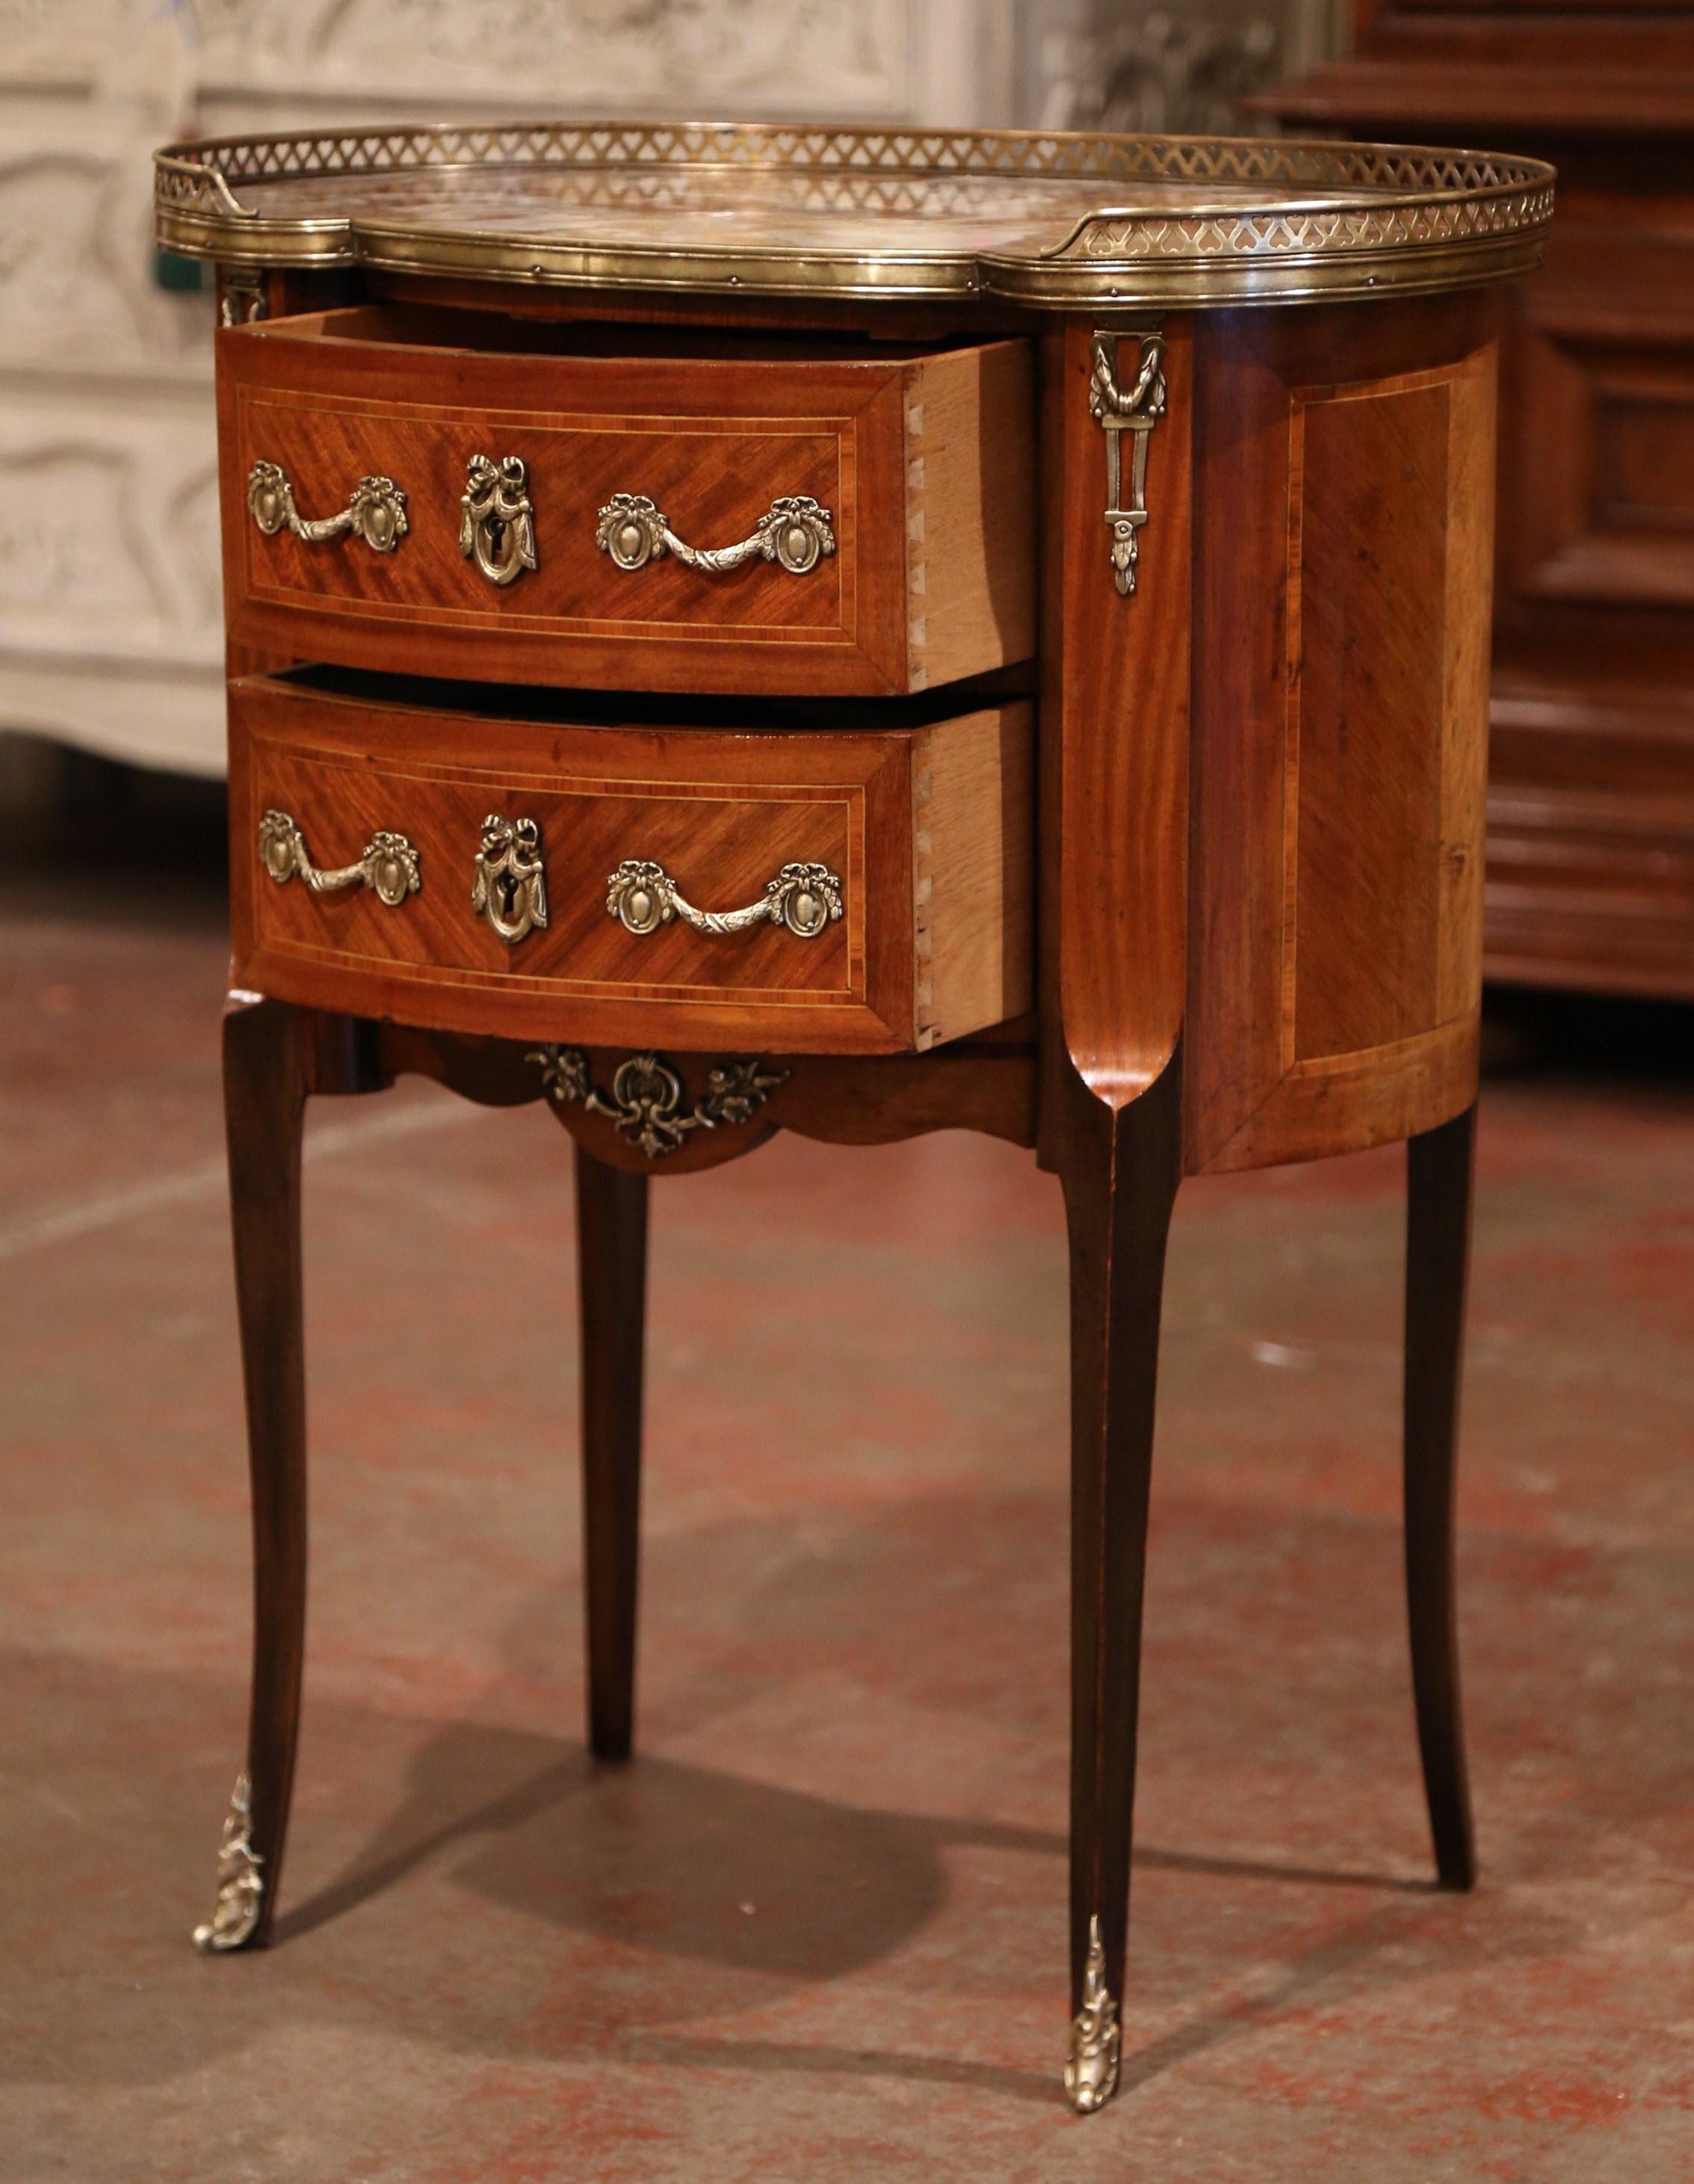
(1135, 408)
(1090, 2068)
(645, 1104)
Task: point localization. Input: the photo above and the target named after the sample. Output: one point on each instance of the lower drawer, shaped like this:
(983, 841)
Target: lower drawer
(863, 890)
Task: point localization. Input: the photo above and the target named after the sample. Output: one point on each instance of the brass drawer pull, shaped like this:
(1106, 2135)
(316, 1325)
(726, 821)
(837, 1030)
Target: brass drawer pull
(803, 897)
(389, 865)
(376, 511)
(509, 889)
(795, 531)
(497, 525)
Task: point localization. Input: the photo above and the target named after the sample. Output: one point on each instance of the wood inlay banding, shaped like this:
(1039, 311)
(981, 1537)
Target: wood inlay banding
(912, 960)
(923, 462)
(1341, 745)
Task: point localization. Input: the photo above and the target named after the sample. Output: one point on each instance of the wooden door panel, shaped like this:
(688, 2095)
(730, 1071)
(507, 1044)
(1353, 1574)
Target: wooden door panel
(1341, 702)
(1599, 462)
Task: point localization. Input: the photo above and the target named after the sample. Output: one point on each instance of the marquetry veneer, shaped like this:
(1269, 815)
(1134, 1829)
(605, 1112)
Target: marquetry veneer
(923, 462)
(1591, 841)
(928, 830)
(1173, 864)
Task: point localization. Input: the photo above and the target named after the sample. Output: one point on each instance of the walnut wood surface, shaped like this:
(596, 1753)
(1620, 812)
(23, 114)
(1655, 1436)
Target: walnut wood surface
(1603, 505)
(986, 1085)
(924, 462)
(1439, 1169)
(1115, 697)
(274, 1056)
(265, 1098)
(611, 1290)
(1590, 813)
(1604, 39)
(1121, 1168)
(1591, 858)
(927, 829)
(1602, 96)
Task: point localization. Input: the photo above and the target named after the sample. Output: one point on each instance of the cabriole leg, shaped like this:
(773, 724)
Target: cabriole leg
(265, 1096)
(1439, 1172)
(1120, 1171)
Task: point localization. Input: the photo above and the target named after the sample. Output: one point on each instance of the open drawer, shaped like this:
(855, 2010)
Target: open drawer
(451, 492)
(865, 891)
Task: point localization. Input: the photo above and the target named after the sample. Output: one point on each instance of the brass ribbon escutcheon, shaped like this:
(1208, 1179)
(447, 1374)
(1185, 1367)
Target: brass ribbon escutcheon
(497, 527)
(510, 886)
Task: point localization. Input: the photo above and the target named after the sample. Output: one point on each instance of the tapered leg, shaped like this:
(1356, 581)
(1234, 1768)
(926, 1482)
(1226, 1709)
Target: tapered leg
(612, 1248)
(1440, 1166)
(264, 1093)
(1120, 1171)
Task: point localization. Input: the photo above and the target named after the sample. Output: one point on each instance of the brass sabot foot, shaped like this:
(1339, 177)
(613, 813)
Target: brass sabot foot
(1091, 2070)
(240, 1885)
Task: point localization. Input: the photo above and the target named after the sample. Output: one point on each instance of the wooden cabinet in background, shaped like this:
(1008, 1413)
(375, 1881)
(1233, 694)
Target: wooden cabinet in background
(1591, 854)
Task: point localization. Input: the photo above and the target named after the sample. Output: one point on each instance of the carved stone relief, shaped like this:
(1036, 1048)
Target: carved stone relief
(1177, 70)
(109, 598)
(107, 534)
(192, 525)
(49, 41)
(76, 283)
(802, 56)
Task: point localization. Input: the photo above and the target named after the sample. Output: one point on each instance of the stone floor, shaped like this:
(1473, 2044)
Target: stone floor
(815, 1931)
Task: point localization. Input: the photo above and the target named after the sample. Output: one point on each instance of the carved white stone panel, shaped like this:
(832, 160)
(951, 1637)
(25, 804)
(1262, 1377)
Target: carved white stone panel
(57, 43)
(800, 57)
(76, 285)
(110, 611)
(146, 712)
(108, 535)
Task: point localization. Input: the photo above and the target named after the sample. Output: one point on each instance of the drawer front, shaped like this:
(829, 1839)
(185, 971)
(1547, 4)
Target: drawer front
(860, 892)
(784, 525)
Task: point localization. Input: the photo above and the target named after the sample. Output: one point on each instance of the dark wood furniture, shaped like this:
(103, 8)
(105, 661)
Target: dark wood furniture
(1063, 715)
(1591, 834)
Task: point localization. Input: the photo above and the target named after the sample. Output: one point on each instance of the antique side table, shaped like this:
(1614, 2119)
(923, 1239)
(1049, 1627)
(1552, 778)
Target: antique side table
(741, 629)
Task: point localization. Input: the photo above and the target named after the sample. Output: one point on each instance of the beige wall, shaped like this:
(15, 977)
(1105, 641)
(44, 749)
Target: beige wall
(110, 630)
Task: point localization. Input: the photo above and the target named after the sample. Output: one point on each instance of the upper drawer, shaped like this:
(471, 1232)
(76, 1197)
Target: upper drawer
(670, 517)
